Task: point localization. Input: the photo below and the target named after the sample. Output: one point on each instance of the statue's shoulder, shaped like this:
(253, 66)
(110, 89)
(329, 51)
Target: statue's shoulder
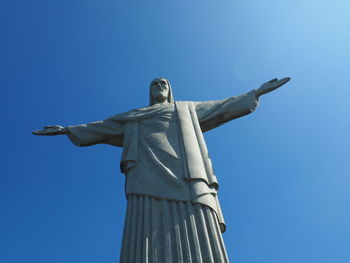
(143, 113)
(184, 102)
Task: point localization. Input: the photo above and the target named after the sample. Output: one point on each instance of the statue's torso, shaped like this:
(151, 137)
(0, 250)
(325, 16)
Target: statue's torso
(160, 167)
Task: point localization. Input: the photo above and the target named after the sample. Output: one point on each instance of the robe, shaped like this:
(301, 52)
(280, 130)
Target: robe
(165, 156)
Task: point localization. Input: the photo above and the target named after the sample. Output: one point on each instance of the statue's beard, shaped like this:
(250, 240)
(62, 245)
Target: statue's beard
(160, 98)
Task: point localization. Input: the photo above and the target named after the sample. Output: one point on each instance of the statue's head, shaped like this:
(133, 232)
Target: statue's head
(160, 91)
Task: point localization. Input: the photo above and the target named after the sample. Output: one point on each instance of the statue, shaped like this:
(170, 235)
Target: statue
(173, 213)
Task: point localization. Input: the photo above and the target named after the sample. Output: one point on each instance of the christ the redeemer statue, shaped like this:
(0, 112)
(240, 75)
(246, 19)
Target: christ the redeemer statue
(173, 213)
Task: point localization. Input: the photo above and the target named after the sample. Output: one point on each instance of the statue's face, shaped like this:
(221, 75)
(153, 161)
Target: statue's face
(159, 90)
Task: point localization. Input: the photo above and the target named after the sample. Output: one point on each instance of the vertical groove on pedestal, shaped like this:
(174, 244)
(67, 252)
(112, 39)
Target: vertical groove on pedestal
(160, 231)
(177, 232)
(184, 230)
(203, 235)
(146, 231)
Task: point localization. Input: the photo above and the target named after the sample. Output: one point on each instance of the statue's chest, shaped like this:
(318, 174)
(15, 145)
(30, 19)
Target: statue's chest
(164, 122)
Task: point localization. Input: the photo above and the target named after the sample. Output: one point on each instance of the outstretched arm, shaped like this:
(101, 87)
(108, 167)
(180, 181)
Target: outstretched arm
(212, 114)
(107, 131)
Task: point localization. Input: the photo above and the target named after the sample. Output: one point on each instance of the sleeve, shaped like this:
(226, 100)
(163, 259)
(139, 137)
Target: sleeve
(212, 114)
(101, 132)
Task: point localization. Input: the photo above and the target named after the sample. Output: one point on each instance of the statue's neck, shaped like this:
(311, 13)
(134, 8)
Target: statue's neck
(161, 101)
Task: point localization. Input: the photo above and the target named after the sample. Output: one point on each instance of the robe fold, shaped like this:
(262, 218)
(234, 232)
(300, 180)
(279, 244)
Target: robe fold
(164, 153)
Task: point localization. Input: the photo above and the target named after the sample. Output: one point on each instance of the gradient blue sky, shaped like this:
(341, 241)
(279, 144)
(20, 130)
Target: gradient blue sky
(284, 170)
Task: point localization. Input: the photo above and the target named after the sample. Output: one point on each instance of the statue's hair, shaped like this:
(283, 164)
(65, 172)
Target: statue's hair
(170, 93)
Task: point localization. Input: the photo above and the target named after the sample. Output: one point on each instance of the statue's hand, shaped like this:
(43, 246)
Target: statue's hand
(51, 130)
(270, 86)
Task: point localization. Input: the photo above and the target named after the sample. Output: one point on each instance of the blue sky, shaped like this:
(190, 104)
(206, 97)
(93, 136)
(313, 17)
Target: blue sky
(284, 170)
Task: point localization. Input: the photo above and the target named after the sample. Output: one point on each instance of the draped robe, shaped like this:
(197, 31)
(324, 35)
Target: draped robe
(164, 153)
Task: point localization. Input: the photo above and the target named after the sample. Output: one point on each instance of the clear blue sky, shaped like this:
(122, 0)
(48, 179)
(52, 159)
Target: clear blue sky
(284, 170)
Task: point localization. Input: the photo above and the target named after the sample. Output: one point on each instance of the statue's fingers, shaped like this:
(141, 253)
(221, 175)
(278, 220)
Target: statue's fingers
(38, 132)
(272, 80)
(51, 126)
(284, 81)
(45, 132)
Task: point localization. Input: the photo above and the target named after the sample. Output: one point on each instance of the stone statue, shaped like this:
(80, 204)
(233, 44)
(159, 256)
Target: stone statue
(173, 213)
